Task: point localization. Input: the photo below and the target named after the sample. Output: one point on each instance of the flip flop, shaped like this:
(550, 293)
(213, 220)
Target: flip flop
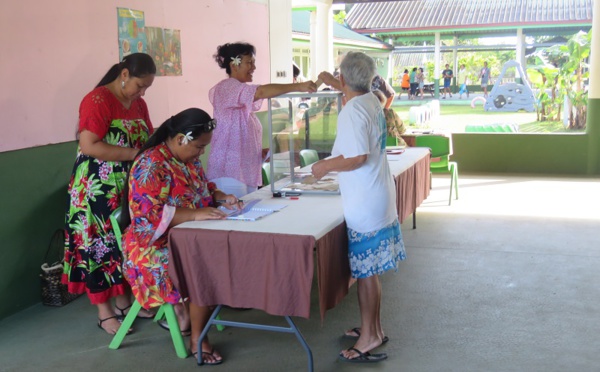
(164, 325)
(100, 321)
(211, 353)
(123, 314)
(357, 331)
(363, 357)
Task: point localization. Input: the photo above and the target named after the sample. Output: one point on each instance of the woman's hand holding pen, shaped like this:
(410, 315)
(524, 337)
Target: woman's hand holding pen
(229, 201)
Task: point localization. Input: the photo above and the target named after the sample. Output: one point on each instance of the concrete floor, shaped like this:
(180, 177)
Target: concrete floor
(505, 279)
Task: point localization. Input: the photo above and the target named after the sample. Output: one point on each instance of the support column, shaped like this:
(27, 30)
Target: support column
(312, 71)
(322, 54)
(455, 62)
(280, 37)
(520, 57)
(436, 68)
(390, 71)
(593, 113)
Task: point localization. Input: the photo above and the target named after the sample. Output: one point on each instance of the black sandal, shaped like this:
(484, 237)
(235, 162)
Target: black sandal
(100, 321)
(122, 314)
(357, 331)
(365, 357)
(211, 354)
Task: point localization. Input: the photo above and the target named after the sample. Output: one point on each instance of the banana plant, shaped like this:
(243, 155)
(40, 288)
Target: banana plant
(549, 101)
(573, 74)
(565, 83)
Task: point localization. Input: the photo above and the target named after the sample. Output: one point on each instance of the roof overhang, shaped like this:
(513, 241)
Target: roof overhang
(346, 43)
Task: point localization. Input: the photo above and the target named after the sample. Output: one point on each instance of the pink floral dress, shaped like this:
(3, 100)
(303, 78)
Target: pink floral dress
(236, 145)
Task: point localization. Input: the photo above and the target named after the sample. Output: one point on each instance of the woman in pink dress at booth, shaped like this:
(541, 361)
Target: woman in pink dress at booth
(236, 153)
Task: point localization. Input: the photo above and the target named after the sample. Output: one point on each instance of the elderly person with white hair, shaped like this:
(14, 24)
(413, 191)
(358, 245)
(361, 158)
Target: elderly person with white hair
(368, 194)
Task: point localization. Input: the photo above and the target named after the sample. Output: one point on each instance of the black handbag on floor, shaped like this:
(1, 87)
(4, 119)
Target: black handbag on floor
(54, 293)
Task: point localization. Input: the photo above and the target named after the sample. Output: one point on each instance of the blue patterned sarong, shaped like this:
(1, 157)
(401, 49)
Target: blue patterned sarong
(375, 252)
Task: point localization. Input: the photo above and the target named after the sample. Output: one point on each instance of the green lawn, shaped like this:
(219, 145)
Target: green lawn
(456, 117)
(452, 118)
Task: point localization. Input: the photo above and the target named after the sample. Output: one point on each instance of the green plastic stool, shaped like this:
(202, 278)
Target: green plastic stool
(169, 312)
(164, 310)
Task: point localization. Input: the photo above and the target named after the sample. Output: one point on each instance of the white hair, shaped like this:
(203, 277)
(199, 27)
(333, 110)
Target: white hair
(358, 70)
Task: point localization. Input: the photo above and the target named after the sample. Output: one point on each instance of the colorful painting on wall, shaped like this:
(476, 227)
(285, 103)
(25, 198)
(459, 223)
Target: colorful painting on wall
(164, 45)
(132, 38)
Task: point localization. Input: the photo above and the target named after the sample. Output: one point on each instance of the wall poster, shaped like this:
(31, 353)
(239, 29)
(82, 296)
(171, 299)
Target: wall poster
(164, 45)
(132, 38)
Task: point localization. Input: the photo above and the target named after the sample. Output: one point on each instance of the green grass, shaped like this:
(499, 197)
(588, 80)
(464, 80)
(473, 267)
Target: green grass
(457, 112)
(322, 132)
(547, 127)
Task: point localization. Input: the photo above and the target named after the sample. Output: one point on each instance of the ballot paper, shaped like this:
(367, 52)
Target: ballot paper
(252, 210)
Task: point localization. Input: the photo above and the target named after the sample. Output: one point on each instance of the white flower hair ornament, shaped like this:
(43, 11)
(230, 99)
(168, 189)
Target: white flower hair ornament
(187, 138)
(236, 60)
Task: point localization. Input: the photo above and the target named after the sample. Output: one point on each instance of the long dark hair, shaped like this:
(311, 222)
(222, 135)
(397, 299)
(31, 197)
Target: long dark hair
(192, 121)
(226, 53)
(138, 64)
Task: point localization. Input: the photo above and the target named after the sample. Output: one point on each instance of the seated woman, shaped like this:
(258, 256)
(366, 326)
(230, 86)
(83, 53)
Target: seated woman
(167, 186)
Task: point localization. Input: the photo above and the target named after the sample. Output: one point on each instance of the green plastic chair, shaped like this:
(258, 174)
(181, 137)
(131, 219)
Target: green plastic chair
(165, 309)
(440, 149)
(308, 156)
(391, 141)
(266, 174)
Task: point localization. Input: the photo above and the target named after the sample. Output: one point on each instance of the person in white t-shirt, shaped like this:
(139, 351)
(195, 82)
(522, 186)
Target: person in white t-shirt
(375, 242)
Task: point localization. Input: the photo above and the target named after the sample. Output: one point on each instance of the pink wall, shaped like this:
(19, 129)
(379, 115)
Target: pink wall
(54, 52)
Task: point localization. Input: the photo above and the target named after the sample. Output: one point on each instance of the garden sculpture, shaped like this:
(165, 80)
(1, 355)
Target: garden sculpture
(510, 96)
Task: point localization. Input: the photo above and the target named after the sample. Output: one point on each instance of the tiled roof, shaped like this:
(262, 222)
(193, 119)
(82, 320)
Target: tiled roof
(398, 16)
(341, 34)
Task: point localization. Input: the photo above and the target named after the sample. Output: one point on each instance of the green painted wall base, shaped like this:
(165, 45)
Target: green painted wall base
(521, 153)
(33, 199)
(593, 131)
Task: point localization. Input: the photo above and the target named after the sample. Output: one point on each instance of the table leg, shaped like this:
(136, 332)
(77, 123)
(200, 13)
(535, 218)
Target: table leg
(302, 341)
(210, 322)
(291, 329)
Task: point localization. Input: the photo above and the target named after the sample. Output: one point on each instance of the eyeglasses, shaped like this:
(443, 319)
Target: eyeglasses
(207, 126)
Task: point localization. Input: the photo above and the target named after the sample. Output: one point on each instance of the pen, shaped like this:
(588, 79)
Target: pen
(223, 201)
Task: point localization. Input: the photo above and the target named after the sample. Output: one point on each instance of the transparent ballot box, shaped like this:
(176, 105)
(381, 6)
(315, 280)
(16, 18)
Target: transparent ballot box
(302, 129)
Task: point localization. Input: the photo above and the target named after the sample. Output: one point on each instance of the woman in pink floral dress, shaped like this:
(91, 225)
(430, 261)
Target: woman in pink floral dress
(167, 186)
(236, 155)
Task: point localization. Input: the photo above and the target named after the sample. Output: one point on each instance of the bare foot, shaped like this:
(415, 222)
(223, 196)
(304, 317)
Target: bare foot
(354, 332)
(143, 313)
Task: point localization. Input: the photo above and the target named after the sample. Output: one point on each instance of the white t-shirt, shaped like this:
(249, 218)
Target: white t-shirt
(462, 73)
(368, 192)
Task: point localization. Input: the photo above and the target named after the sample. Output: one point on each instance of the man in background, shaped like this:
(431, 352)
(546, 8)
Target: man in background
(447, 74)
